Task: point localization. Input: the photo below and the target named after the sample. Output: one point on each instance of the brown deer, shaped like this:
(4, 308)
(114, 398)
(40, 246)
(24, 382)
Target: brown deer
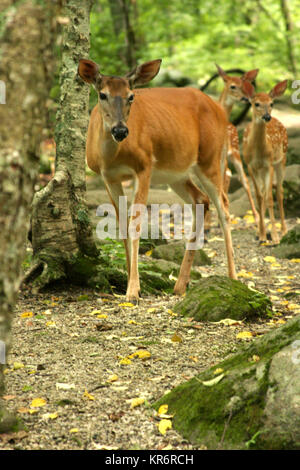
(157, 135)
(264, 148)
(231, 94)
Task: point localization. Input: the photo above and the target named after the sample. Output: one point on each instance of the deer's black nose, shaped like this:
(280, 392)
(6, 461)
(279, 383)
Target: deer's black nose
(267, 117)
(120, 132)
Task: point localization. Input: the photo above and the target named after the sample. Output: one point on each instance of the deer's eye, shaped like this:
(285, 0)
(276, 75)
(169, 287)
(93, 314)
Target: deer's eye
(233, 87)
(257, 105)
(130, 98)
(271, 104)
(102, 96)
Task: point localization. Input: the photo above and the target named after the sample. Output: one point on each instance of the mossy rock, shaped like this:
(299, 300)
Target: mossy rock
(174, 251)
(289, 246)
(157, 276)
(250, 405)
(218, 297)
(9, 422)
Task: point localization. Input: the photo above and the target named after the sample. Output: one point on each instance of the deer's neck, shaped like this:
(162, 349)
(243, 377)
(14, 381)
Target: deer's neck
(108, 146)
(226, 102)
(259, 132)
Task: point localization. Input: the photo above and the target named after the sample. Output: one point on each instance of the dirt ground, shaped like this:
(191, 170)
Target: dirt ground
(72, 375)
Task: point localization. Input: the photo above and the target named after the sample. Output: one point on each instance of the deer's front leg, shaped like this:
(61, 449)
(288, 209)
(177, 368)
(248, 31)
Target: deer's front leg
(137, 211)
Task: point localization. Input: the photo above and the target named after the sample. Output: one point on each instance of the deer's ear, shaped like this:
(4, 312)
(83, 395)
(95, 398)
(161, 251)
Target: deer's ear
(278, 89)
(88, 71)
(143, 73)
(222, 73)
(248, 89)
(251, 75)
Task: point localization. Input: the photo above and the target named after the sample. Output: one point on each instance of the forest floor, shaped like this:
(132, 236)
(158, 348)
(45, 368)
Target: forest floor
(72, 376)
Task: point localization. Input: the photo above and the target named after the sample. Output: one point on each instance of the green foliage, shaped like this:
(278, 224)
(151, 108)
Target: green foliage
(191, 35)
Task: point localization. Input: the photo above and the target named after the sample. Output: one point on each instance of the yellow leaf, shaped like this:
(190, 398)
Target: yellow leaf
(102, 315)
(163, 409)
(38, 402)
(270, 259)
(50, 323)
(244, 335)
(176, 338)
(87, 395)
(125, 361)
(151, 310)
(255, 358)
(96, 312)
(140, 354)
(170, 312)
(74, 430)
(26, 314)
(137, 402)
(18, 365)
(245, 274)
(295, 260)
(164, 425)
(218, 371)
(212, 382)
(50, 416)
(149, 253)
(126, 304)
(112, 378)
(293, 306)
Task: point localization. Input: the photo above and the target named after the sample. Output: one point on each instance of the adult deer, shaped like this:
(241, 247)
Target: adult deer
(233, 93)
(264, 149)
(158, 135)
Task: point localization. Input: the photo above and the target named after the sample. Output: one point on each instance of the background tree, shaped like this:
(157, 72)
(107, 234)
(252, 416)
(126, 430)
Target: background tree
(27, 64)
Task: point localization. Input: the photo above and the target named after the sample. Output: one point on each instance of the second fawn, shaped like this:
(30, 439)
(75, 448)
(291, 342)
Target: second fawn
(233, 93)
(264, 149)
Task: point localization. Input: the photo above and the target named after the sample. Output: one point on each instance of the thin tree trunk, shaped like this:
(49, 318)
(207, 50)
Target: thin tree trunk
(27, 66)
(289, 35)
(61, 230)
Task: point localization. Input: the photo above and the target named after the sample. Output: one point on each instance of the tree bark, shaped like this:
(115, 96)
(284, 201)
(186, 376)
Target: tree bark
(61, 230)
(27, 66)
(289, 35)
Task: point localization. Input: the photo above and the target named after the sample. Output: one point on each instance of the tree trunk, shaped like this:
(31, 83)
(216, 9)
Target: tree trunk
(27, 66)
(61, 230)
(289, 35)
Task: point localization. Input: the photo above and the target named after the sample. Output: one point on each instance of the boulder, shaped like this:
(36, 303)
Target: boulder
(174, 251)
(217, 297)
(289, 246)
(253, 403)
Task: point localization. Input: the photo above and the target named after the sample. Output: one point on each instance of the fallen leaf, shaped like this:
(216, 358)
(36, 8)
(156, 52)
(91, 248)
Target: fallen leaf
(176, 338)
(125, 361)
(140, 354)
(74, 430)
(87, 395)
(38, 402)
(244, 335)
(212, 382)
(137, 402)
(270, 259)
(164, 425)
(18, 365)
(219, 370)
(26, 314)
(112, 378)
(64, 386)
(229, 322)
(163, 409)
